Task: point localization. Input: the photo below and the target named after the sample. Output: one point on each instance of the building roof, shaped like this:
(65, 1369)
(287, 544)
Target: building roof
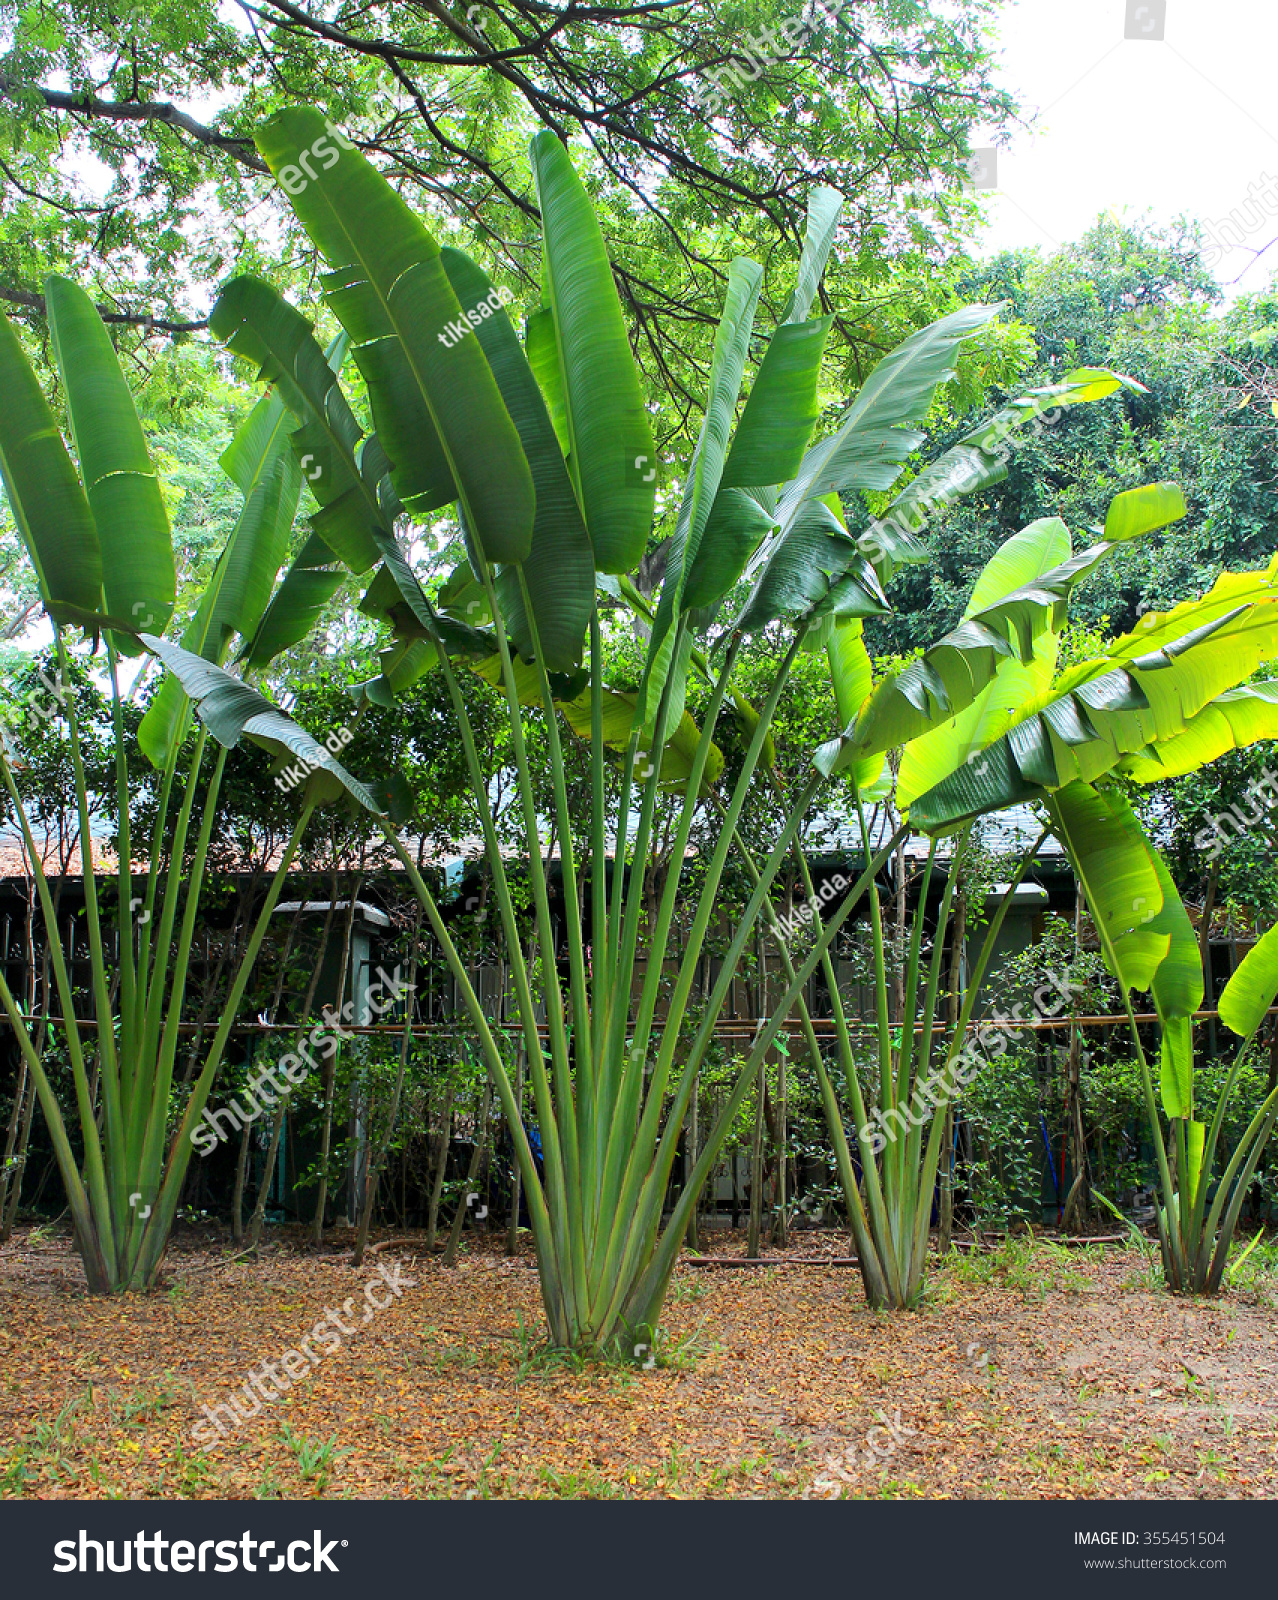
(1006, 833)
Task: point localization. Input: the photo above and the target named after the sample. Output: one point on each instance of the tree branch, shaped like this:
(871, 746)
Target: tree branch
(87, 106)
(132, 319)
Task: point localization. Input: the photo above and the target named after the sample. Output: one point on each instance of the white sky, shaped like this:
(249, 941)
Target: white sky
(1136, 126)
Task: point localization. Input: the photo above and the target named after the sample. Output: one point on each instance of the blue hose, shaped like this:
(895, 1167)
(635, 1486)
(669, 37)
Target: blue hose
(1051, 1159)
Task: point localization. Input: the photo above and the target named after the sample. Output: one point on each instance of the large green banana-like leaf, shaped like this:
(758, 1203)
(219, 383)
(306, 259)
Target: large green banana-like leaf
(542, 349)
(257, 548)
(1158, 949)
(262, 463)
(767, 448)
(619, 706)
(45, 495)
(417, 617)
(1177, 988)
(348, 473)
(559, 569)
(1232, 721)
(1141, 511)
(930, 757)
(1250, 992)
(782, 408)
(257, 439)
(851, 670)
(390, 291)
(1017, 563)
(875, 436)
(824, 207)
(948, 677)
(977, 461)
(867, 451)
(314, 578)
(298, 603)
(852, 678)
(815, 569)
(775, 426)
(739, 521)
(139, 579)
(1101, 710)
(727, 367)
(1232, 593)
(611, 453)
(232, 711)
(252, 319)
(1116, 868)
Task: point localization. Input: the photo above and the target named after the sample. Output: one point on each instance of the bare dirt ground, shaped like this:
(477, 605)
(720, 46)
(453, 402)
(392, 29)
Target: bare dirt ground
(1030, 1371)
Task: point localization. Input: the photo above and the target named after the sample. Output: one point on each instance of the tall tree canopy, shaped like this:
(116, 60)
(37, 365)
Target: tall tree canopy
(1138, 300)
(126, 155)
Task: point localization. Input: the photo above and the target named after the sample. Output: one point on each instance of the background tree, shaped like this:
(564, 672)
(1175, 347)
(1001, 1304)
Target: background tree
(876, 98)
(1137, 300)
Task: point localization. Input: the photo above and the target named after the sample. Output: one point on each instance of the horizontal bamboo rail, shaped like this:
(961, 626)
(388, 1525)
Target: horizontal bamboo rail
(747, 1027)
